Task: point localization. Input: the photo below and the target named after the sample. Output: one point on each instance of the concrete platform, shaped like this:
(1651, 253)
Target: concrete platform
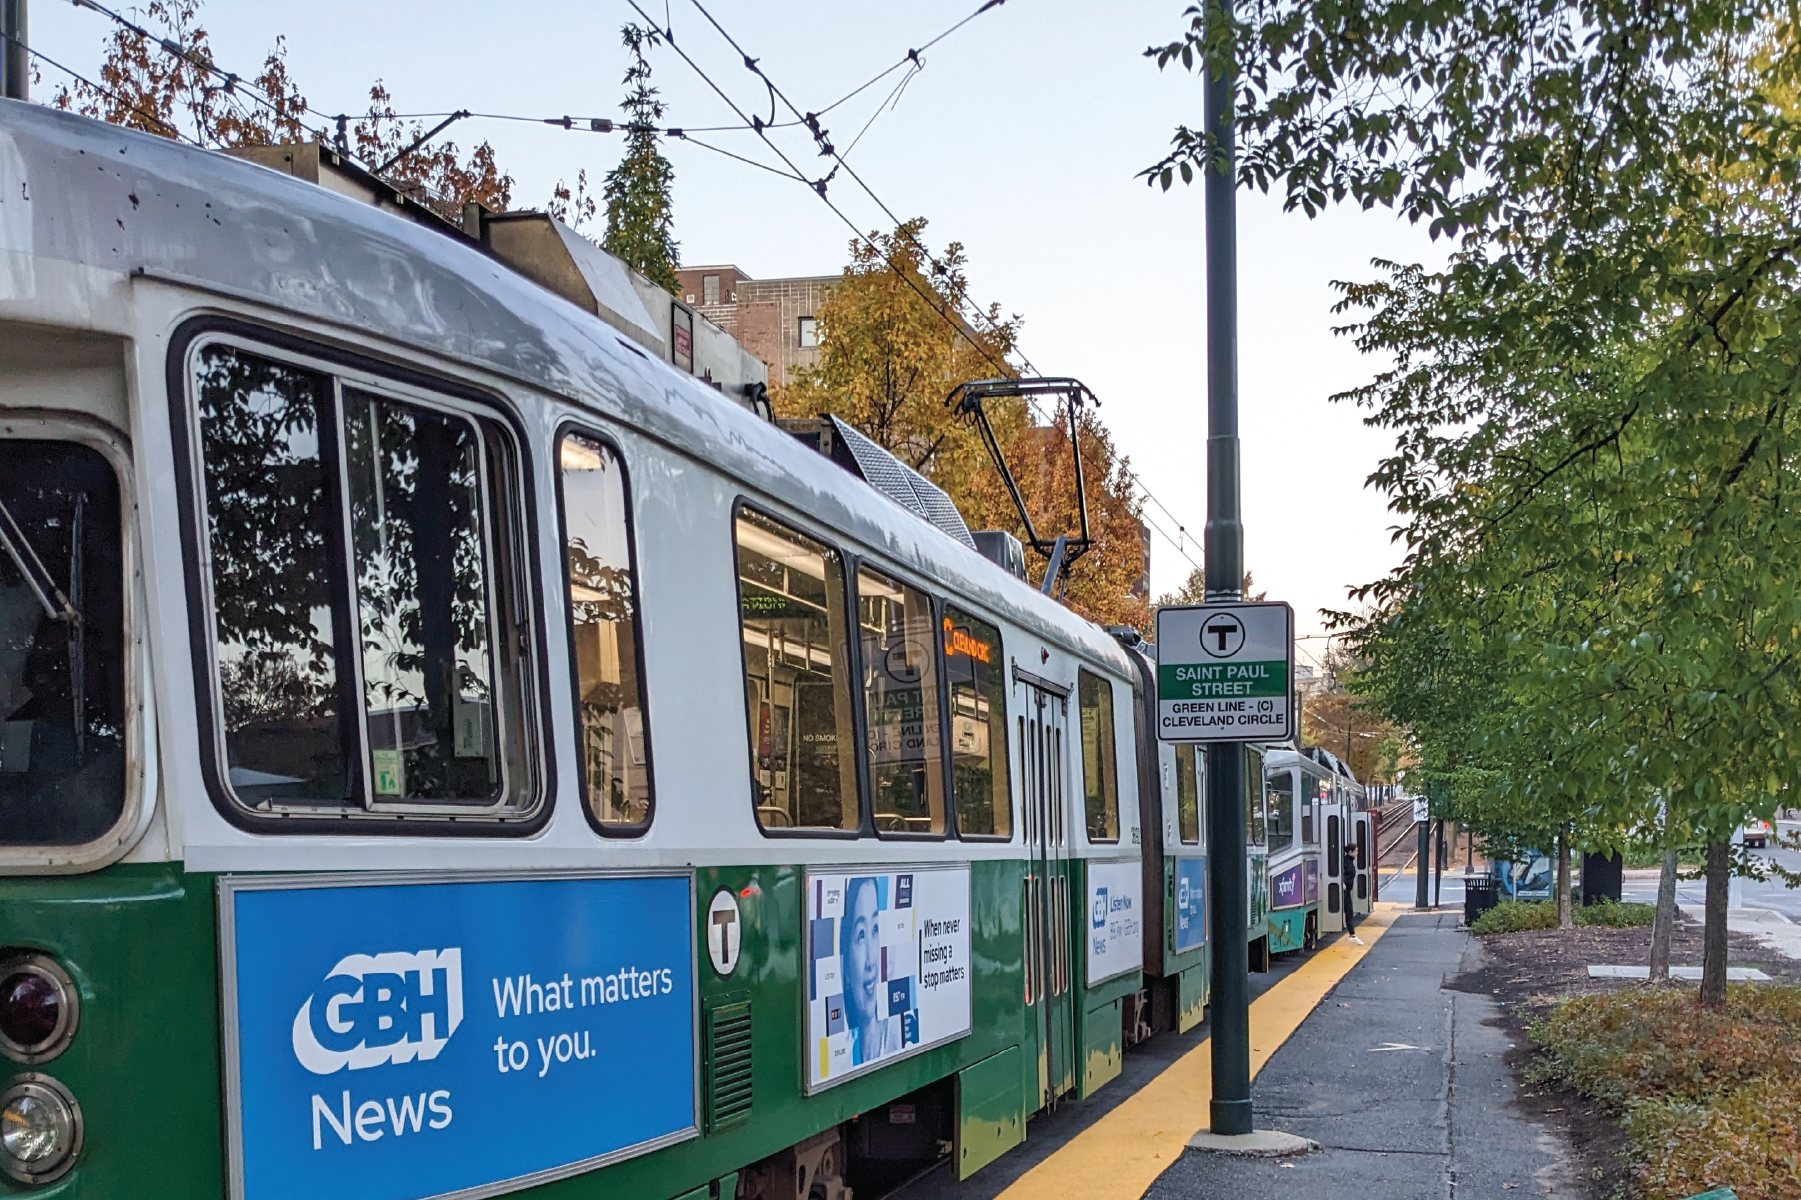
(1402, 1083)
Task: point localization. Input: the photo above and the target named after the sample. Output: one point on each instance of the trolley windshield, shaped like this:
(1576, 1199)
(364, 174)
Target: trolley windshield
(62, 645)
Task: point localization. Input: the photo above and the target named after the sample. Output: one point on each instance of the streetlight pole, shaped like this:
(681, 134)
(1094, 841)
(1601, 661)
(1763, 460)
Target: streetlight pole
(1230, 1019)
(15, 63)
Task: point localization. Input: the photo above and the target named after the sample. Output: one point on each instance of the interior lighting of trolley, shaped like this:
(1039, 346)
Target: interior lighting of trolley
(577, 455)
(779, 550)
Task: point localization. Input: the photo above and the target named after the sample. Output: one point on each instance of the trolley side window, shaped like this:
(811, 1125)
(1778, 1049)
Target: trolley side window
(978, 730)
(62, 644)
(1280, 790)
(1100, 753)
(792, 615)
(1256, 800)
(900, 705)
(371, 653)
(604, 638)
(1189, 772)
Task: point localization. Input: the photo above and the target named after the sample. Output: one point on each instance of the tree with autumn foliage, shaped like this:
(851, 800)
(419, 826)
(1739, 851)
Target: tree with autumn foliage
(893, 345)
(162, 78)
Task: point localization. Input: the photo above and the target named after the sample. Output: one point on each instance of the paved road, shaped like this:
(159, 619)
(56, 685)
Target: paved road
(1639, 885)
(1771, 893)
(1400, 887)
(1402, 1082)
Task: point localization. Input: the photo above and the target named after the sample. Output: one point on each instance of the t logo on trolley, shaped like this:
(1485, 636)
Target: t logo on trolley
(381, 1008)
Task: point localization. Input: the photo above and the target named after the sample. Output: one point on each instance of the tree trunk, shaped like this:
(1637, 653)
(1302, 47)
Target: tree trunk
(1565, 918)
(1713, 934)
(1665, 923)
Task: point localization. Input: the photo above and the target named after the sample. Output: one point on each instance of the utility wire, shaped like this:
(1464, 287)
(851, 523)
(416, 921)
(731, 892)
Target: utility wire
(233, 81)
(819, 186)
(826, 148)
(587, 124)
(175, 133)
(820, 137)
(910, 59)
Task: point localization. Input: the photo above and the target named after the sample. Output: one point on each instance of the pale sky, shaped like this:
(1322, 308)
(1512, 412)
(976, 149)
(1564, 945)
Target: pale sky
(1021, 138)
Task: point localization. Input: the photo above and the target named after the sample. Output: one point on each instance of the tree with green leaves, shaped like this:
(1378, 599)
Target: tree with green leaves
(1593, 400)
(640, 213)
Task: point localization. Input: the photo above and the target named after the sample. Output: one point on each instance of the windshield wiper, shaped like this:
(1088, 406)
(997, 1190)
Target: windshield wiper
(37, 578)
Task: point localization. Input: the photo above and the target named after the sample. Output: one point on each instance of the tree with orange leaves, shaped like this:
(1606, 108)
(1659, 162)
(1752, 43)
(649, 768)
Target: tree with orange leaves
(894, 343)
(162, 78)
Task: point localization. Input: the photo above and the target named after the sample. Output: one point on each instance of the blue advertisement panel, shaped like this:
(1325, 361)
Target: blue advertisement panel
(402, 1041)
(1527, 879)
(1191, 903)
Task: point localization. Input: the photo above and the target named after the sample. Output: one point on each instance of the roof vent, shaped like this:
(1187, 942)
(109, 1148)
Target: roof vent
(1003, 549)
(844, 445)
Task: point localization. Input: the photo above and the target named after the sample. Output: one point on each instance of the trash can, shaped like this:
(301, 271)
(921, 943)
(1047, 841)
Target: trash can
(1601, 878)
(1480, 893)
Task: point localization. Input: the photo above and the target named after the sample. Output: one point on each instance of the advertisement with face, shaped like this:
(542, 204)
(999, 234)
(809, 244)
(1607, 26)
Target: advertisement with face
(887, 969)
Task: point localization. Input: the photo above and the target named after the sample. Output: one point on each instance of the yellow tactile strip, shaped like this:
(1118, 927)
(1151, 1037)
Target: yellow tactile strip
(1121, 1155)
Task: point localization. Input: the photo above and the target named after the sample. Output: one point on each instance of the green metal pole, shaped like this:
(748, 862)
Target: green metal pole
(15, 60)
(1229, 1022)
(1422, 894)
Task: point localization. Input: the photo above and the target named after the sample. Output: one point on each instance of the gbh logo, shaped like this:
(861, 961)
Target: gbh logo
(1100, 908)
(381, 1008)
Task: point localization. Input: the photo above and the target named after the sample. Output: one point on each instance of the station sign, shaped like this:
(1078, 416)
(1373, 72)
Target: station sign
(1225, 672)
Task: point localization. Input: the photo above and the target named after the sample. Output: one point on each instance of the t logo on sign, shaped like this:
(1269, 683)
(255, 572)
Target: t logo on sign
(1222, 636)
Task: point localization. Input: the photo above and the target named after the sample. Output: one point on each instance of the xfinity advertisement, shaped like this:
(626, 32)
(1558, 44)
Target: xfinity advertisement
(390, 1037)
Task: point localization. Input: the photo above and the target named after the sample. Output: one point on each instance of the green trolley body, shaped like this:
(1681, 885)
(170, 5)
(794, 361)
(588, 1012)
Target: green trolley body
(455, 753)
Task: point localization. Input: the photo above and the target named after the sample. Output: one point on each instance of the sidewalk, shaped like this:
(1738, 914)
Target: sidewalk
(1774, 930)
(1402, 1083)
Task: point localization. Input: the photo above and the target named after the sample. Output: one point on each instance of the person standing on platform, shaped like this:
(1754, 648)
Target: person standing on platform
(1348, 872)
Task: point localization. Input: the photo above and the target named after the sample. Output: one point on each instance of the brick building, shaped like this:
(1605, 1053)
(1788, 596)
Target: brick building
(774, 320)
(771, 318)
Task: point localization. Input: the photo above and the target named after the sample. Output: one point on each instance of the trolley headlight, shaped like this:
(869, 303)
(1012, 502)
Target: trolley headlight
(40, 1129)
(38, 1008)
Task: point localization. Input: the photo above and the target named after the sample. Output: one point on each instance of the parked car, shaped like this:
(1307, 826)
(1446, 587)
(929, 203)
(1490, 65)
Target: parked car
(1757, 833)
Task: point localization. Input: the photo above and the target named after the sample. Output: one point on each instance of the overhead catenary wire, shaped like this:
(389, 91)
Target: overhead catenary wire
(594, 124)
(233, 83)
(101, 89)
(819, 186)
(233, 80)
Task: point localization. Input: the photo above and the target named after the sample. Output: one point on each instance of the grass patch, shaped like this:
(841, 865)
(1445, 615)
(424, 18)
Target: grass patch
(1516, 916)
(1688, 858)
(1708, 1099)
